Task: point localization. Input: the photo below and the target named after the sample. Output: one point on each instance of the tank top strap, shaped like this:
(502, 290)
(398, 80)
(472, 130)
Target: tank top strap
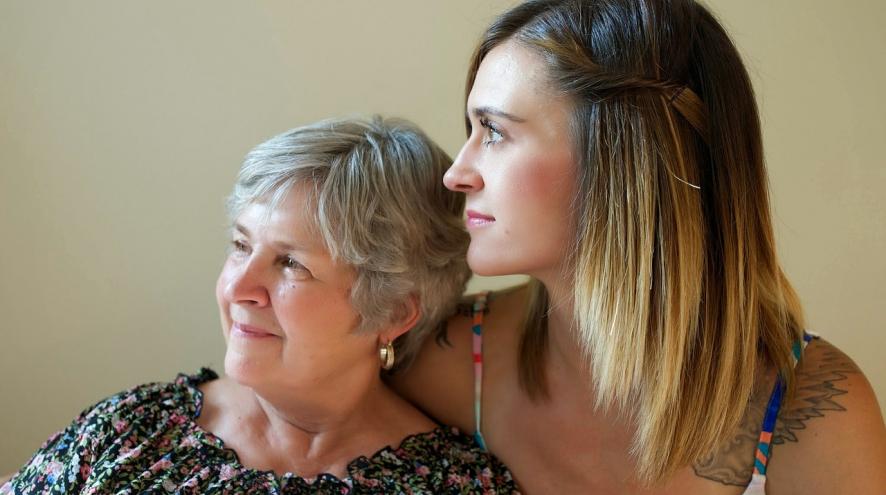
(477, 311)
(764, 441)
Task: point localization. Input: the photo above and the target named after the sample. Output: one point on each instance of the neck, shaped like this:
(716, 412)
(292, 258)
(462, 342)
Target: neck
(303, 416)
(309, 437)
(566, 362)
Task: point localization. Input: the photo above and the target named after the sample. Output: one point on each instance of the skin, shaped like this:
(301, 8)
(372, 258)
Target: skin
(529, 198)
(302, 392)
(829, 437)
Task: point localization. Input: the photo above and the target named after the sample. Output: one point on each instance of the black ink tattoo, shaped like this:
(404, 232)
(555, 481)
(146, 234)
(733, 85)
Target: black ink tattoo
(815, 394)
(732, 463)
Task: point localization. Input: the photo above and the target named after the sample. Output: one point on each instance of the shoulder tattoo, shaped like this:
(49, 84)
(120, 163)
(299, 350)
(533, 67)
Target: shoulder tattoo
(816, 394)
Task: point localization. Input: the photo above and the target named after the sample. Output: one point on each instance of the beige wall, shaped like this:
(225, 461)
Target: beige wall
(123, 124)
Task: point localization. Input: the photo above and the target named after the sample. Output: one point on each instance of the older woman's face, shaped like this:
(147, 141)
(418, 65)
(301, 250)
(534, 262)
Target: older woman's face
(517, 167)
(285, 304)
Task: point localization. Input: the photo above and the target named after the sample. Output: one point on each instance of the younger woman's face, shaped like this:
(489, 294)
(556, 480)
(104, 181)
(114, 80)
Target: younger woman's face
(517, 167)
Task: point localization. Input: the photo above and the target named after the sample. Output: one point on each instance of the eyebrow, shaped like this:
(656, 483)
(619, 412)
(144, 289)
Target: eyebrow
(285, 246)
(487, 110)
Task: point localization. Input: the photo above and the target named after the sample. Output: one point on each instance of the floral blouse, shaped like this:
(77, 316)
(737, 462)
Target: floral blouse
(146, 440)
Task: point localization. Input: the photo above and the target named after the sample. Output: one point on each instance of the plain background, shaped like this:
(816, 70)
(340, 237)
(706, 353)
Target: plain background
(124, 123)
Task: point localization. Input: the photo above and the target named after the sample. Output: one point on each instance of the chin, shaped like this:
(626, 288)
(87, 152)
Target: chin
(488, 263)
(243, 369)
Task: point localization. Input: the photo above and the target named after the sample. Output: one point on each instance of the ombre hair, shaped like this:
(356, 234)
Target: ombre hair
(378, 201)
(680, 303)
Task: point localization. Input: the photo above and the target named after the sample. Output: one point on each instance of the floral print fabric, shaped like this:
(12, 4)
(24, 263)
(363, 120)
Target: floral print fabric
(146, 440)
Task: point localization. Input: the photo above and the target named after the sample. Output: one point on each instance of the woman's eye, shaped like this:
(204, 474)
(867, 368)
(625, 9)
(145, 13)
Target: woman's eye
(238, 246)
(290, 263)
(492, 134)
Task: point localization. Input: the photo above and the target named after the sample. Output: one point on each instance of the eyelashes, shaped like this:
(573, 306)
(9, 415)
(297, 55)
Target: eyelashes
(237, 246)
(290, 263)
(493, 134)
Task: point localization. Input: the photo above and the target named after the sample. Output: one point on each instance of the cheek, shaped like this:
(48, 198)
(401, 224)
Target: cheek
(542, 188)
(309, 312)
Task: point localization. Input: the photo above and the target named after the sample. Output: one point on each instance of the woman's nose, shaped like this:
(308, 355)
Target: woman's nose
(462, 176)
(245, 285)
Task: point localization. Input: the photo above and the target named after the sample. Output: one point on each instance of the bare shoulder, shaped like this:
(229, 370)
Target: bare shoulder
(829, 437)
(441, 379)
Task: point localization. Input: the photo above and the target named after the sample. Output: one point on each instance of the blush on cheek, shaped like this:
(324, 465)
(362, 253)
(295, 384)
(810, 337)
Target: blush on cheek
(546, 194)
(549, 178)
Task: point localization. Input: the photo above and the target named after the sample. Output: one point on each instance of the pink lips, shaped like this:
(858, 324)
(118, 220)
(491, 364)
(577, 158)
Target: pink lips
(476, 219)
(249, 332)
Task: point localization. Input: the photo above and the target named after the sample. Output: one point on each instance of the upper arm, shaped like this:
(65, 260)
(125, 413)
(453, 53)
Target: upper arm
(441, 379)
(830, 436)
(55, 465)
(62, 463)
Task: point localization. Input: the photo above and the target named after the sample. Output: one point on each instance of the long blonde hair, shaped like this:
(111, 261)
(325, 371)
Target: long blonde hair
(678, 295)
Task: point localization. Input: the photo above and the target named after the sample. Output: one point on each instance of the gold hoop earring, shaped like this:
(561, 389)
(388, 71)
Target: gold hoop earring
(386, 354)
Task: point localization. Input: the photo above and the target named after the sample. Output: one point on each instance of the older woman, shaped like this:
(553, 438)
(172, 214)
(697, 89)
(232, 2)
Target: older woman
(614, 154)
(345, 251)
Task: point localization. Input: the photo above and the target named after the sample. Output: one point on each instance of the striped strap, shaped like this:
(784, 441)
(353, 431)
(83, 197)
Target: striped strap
(764, 444)
(477, 333)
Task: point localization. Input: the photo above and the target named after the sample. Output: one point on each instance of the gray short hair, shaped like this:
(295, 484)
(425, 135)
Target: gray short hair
(380, 207)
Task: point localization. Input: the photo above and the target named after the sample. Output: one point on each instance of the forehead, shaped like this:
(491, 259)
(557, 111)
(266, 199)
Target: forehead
(510, 73)
(292, 218)
(514, 79)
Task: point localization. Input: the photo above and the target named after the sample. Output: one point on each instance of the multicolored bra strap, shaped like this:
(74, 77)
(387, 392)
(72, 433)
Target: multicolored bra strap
(477, 334)
(765, 441)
